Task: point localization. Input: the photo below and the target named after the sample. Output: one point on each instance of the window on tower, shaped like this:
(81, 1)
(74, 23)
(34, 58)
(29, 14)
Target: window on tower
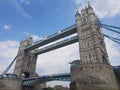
(104, 60)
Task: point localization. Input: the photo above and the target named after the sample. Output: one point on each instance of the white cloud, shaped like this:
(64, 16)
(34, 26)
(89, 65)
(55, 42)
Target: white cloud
(113, 52)
(35, 37)
(62, 83)
(7, 27)
(57, 61)
(25, 1)
(26, 33)
(106, 8)
(18, 7)
(8, 50)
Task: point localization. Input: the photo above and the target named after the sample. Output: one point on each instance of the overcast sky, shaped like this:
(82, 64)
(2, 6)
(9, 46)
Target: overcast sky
(20, 19)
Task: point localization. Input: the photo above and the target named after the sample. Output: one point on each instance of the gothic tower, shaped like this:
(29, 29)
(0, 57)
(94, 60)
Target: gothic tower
(25, 66)
(26, 61)
(93, 71)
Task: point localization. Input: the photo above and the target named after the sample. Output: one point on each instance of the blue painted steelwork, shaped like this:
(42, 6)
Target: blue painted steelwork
(116, 40)
(47, 78)
(54, 77)
(7, 69)
(11, 75)
(101, 24)
(61, 34)
(111, 37)
(110, 28)
(57, 45)
(116, 68)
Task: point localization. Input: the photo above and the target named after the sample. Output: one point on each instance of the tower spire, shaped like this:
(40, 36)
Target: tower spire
(77, 11)
(77, 15)
(89, 6)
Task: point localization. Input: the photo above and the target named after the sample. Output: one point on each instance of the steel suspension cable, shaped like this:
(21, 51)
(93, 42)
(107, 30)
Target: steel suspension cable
(99, 23)
(7, 69)
(108, 27)
(111, 29)
(111, 38)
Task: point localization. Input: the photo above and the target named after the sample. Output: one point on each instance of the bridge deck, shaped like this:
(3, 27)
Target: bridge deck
(57, 45)
(46, 78)
(66, 32)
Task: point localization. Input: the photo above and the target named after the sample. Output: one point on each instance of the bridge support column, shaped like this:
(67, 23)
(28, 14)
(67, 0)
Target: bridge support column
(26, 61)
(39, 86)
(36, 86)
(93, 71)
(117, 74)
(10, 84)
(93, 77)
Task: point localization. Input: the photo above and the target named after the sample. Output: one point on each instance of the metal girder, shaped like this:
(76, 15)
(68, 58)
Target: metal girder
(46, 78)
(57, 45)
(61, 34)
(116, 68)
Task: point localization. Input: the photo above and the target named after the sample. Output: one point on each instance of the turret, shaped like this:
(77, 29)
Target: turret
(77, 15)
(90, 9)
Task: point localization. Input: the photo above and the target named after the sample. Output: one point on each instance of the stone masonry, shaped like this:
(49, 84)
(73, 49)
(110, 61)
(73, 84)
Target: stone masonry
(26, 65)
(93, 71)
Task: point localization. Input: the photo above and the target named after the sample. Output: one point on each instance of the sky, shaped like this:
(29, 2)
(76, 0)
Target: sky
(20, 19)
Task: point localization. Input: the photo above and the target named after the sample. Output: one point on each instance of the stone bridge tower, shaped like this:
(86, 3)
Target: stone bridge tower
(25, 66)
(93, 71)
(26, 61)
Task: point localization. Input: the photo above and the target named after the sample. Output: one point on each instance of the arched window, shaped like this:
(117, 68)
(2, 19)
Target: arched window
(104, 60)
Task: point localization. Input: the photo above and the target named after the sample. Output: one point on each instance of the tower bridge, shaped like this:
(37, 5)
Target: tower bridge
(92, 72)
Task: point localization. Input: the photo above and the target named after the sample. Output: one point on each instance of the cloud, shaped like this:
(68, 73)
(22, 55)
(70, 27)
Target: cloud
(26, 2)
(106, 8)
(26, 33)
(113, 52)
(62, 83)
(7, 27)
(20, 9)
(35, 37)
(57, 61)
(8, 50)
